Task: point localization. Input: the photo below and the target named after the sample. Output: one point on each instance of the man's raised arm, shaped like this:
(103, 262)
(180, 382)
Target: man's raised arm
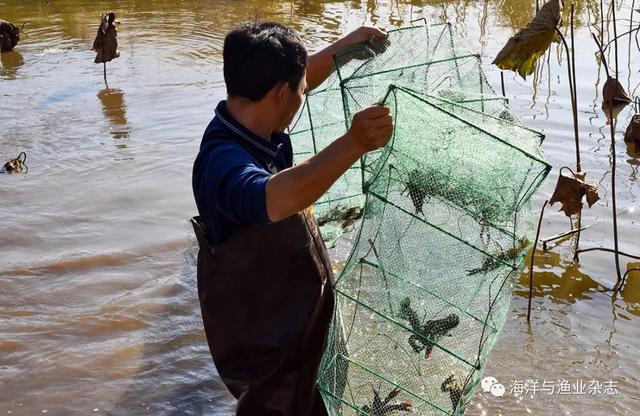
(321, 63)
(298, 187)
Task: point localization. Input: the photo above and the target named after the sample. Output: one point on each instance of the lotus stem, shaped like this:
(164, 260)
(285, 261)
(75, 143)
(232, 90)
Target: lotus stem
(104, 63)
(613, 193)
(613, 172)
(613, 189)
(615, 34)
(575, 96)
(571, 76)
(533, 253)
(575, 125)
(604, 59)
(602, 22)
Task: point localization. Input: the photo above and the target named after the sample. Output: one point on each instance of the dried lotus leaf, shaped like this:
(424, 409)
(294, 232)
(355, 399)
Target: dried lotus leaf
(9, 36)
(524, 48)
(106, 42)
(570, 191)
(632, 133)
(614, 97)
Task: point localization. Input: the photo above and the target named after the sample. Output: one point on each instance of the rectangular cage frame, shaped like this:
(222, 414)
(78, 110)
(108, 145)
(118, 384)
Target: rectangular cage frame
(384, 267)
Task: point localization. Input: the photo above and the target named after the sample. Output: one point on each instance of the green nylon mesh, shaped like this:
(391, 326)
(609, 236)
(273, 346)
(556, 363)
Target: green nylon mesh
(440, 223)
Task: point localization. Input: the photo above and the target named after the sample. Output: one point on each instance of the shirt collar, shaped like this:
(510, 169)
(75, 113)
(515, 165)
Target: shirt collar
(269, 148)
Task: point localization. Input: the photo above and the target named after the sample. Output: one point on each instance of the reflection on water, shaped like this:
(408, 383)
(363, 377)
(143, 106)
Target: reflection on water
(633, 150)
(557, 279)
(630, 292)
(98, 306)
(11, 63)
(115, 111)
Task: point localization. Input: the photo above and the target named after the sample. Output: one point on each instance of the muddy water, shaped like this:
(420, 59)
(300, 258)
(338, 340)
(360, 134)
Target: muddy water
(98, 308)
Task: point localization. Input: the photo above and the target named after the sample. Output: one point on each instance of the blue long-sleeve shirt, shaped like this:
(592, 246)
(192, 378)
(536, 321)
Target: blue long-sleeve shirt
(229, 181)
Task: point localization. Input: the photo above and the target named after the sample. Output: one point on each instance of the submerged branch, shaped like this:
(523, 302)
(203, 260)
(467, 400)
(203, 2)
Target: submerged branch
(610, 250)
(619, 36)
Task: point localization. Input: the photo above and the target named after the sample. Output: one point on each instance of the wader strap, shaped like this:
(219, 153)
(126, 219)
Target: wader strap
(201, 235)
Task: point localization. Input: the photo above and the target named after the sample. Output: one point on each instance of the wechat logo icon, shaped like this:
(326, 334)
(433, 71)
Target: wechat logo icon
(491, 385)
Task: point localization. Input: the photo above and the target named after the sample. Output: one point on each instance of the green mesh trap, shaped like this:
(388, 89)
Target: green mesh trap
(441, 223)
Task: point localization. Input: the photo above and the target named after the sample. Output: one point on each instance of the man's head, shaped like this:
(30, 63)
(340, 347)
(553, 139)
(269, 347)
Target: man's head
(266, 61)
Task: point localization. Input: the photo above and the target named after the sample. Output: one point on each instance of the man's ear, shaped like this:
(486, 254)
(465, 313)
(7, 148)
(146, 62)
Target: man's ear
(282, 92)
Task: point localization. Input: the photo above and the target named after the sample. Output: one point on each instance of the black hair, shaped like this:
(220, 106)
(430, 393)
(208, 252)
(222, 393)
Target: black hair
(259, 55)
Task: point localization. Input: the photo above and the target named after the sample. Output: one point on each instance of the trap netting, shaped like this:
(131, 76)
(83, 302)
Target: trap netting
(443, 224)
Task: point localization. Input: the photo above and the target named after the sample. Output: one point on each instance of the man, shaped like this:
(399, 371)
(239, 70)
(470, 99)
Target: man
(264, 276)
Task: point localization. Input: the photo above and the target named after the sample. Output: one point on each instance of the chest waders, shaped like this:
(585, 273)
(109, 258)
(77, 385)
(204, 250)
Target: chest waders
(266, 300)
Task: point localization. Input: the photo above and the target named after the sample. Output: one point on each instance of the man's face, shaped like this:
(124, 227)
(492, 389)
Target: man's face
(293, 102)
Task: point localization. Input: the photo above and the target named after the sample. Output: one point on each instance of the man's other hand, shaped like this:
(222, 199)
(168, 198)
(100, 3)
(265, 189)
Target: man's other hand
(365, 34)
(371, 128)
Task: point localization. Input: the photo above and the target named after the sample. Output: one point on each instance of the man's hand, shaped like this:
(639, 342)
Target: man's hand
(321, 63)
(364, 34)
(371, 128)
(295, 188)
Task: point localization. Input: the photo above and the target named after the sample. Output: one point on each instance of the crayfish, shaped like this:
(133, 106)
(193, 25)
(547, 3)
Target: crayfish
(493, 263)
(454, 390)
(347, 216)
(382, 407)
(431, 330)
(416, 185)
